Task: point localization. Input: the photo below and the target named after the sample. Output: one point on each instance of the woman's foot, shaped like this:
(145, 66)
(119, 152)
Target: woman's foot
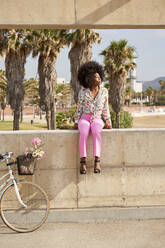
(83, 168)
(97, 168)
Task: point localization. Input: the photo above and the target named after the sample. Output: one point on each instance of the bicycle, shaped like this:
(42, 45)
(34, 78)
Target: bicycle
(24, 205)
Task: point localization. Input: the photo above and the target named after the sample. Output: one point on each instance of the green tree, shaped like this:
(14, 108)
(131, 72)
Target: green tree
(16, 47)
(80, 52)
(162, 89)
(63, 94)
(32, 91)
(128, 94)
(155, 95)
(150, 94)
(47, 44)
(32, 94)
(118, 60)
(3, 91)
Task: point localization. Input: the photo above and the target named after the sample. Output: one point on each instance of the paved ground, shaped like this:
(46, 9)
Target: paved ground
(116, 234)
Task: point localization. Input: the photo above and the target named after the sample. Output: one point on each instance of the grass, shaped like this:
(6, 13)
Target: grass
(8, 126)
(149, 121)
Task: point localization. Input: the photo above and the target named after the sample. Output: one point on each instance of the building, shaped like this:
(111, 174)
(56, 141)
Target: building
(137, 86)
(62, 81)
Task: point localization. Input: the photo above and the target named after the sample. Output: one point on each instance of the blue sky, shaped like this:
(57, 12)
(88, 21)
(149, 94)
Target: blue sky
(149, 44)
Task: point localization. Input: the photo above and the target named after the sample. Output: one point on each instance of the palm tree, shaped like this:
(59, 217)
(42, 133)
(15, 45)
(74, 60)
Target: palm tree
(155, 96)
(128, 94)
(80, 52)
(118, 61)
(17, 48)
(150, 94)
(3, 91)
(48, 43)
(31, 87)
(32, 93)
(63, 93)
(162, 89)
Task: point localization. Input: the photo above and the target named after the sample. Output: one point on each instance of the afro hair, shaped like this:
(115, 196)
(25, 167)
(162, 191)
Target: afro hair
(87, 71)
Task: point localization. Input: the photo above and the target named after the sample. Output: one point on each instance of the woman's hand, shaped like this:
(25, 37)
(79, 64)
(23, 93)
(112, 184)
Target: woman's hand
(108, 126)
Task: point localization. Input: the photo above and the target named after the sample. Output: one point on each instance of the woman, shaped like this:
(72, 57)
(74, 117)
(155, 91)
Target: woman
(92, 105)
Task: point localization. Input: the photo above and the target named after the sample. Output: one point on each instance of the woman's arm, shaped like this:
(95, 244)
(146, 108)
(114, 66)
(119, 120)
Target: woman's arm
(78, 112)
(106, 112)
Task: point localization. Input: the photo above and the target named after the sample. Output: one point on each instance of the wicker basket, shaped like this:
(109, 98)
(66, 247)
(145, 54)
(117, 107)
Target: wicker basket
(26, 164)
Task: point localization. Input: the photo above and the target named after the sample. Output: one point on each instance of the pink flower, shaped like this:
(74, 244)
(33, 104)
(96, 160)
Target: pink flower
(41, 155)
(36, 141)
(35, 149)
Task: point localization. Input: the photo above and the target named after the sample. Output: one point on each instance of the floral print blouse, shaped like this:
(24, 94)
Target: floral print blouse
(98, 106)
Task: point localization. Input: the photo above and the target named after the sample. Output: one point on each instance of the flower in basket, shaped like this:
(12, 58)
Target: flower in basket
(35, 150)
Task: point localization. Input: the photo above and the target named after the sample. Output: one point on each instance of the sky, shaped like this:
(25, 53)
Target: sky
(149, 45)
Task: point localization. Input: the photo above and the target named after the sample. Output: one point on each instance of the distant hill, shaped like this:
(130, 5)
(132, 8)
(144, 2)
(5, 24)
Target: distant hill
(154, 83)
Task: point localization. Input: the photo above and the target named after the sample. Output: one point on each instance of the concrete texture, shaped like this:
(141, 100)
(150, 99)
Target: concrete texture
(145, 148)
(132, 161)
(37, 12)
(117, 12)
(60, 186)
(78, 13)
(105, 214)
(115, 234)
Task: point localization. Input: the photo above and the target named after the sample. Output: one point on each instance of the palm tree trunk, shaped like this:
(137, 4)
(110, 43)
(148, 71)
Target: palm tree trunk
(21, 114)
(118, 120)
(117, 96)
(78, 55)
(47, 86)
(15, 70)
(48, 120)
(52, 116)
(16, 120)
(52, 120)
(40, 114)
(3, 114)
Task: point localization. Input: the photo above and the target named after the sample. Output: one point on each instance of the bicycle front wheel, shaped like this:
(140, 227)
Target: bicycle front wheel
(18, 217)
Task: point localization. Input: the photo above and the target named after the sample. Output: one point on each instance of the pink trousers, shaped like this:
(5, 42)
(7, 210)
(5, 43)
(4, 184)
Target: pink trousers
(84, 127)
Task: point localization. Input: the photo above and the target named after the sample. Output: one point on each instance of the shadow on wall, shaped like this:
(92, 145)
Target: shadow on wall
(57, 173)
(101, 12)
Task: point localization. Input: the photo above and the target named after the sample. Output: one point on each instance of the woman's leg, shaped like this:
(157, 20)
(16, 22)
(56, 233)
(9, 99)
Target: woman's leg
(84, 128)
(96, 128)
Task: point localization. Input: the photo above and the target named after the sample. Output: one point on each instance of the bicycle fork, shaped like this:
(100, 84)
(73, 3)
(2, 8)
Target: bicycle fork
(18, 195)
(16, 189)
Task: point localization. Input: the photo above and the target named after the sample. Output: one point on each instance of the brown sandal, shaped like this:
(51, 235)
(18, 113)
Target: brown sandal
(96, 170)
(83, 168)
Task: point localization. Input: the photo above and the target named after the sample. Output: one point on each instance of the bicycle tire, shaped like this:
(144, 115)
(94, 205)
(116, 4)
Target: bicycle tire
(21, 219)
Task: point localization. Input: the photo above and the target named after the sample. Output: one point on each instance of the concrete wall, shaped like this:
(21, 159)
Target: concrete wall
(78, 13)
(133, 167)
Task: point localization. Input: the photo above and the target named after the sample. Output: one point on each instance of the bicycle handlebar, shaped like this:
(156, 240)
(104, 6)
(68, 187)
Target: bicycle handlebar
(11, 163)
(6, 155)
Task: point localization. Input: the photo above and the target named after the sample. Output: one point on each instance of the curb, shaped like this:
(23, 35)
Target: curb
(105, 214)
